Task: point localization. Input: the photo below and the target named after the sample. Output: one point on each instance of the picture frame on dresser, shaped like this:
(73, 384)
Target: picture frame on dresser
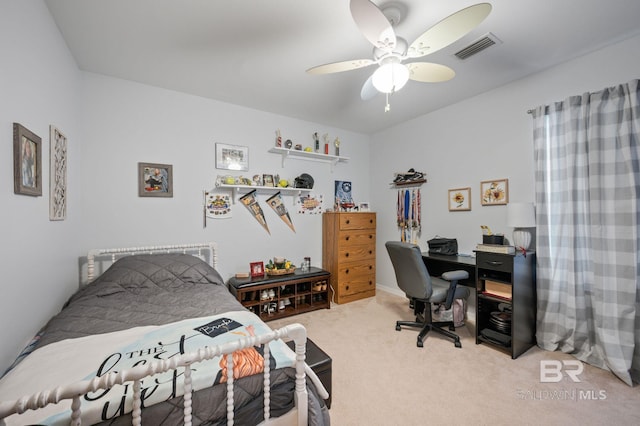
(27, 162)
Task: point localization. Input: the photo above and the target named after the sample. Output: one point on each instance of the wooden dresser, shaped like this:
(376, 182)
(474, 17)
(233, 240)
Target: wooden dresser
(349, 254)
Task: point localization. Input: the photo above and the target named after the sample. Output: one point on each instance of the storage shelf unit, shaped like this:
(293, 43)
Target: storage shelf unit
(280, 296)
(506, 301)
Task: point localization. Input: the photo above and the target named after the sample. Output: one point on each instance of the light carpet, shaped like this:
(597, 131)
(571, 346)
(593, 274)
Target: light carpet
(380, 377)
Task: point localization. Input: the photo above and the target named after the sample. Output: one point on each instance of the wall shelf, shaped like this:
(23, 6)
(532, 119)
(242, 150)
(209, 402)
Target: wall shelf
(238, 190)
(309, 156)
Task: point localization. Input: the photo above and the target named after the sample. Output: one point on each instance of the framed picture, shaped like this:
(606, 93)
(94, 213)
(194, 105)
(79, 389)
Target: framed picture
(459, 199)
(257, 269)
(155, 180)
(232, 157)
(494, 192)
(27, 162)
(267, 180)
(57, 174)
(363, 206)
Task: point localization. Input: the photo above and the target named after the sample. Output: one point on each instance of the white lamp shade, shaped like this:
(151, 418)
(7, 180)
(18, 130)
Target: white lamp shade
(521, 215)
(390, 77)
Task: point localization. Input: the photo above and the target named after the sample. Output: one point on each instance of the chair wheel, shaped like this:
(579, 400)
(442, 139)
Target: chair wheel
(420, 344)
(458, 344)
(398, 328)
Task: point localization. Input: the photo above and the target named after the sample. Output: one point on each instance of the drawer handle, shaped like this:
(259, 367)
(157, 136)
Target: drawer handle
(494, 262)
(347, 287)
(347, 238)
(370, 282)
(370, 220)
(346, 271)
(370, 236)
(370, 251)
(370, 267)
(348, 221)
(346, 255)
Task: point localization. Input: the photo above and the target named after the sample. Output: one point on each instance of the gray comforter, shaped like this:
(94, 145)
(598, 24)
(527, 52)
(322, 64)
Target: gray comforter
(163, 288)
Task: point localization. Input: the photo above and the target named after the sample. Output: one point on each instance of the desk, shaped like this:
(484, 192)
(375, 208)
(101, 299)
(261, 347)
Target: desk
(437, 264)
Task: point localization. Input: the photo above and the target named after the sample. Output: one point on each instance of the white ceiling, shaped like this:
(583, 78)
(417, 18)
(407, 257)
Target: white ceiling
(255, 52)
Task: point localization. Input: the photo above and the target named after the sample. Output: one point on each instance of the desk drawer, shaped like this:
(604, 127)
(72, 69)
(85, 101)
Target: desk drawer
(494, 261)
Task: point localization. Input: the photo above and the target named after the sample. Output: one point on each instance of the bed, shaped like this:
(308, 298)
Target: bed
(156, 339)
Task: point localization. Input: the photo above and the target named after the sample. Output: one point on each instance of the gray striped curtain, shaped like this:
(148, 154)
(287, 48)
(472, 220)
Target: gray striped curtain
(587, 174)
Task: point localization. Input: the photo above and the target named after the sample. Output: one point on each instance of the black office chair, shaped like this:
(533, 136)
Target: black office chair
(423, 290)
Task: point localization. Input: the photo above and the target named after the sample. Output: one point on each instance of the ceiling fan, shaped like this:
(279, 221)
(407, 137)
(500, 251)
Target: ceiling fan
(390, 51)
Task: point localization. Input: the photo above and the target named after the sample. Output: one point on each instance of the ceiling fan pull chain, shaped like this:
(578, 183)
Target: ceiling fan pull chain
(387, 107)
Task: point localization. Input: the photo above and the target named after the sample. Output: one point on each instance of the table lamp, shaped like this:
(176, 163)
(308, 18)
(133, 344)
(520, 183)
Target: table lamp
(521, 216)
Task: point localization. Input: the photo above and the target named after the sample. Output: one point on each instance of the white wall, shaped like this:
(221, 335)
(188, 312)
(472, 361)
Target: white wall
(482, 138)
(124, 123)
(38, 257)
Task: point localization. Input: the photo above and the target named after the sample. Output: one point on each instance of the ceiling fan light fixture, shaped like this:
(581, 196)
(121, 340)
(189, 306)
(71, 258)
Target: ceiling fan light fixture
(390, 77)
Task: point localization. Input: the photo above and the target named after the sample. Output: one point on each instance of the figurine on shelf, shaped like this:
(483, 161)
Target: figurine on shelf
(337, 144)
(278, 139)
(326, 143)
(316, 142)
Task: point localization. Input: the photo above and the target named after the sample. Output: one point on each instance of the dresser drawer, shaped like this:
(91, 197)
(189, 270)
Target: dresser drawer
(351, 238)
(357, 221)
(356, 284)
(347, 271)
(356, 253)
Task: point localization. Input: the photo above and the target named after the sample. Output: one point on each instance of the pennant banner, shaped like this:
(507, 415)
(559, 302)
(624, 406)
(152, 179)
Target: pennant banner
(278, 206)
(251, 203)
(218, 206)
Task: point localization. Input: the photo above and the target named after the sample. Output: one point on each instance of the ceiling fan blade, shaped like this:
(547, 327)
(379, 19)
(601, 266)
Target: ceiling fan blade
(427, 72)
(340, 66)
(373, 24)
(449, 30)
(368, 90)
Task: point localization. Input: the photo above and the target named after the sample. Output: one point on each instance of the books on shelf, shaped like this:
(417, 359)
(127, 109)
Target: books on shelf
(494, 288)
(496, 248)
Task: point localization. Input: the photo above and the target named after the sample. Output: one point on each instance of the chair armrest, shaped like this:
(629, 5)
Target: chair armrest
(455, 275)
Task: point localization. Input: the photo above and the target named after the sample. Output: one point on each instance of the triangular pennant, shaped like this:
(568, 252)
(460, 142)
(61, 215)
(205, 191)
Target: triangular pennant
(278, 206)
(251, 203)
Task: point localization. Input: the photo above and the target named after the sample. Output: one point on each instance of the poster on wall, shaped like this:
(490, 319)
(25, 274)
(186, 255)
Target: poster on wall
(278, 206)
(251, 203)
(309, 203)
(218, 205)
(343, 196)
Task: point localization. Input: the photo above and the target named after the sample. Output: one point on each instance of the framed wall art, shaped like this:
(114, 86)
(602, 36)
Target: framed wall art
(494, 192)
(155, 180)
(27, 162)
(57, 174)
(460, 199)
(232, 157)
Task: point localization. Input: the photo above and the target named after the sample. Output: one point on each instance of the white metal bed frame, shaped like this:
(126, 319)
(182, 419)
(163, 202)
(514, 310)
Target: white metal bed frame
(296, 332)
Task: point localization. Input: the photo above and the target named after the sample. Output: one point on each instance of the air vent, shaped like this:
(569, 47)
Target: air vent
(478, 46)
